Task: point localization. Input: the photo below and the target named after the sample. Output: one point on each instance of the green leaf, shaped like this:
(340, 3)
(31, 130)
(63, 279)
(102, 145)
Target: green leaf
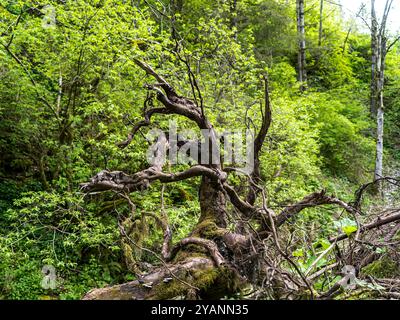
(348, 230)
(298, 253)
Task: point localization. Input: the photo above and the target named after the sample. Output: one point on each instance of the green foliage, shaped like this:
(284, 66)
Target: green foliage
(70, 92)
(346, 226)
(342, 121)
(54, 229)
(383, 268)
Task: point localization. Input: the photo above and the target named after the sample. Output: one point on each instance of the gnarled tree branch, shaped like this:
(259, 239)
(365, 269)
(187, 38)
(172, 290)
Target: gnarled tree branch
(259, 142)
(310, 201)
(141, 180)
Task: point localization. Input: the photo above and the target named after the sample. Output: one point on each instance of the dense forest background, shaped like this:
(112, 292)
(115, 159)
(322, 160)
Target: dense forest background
(71, 89)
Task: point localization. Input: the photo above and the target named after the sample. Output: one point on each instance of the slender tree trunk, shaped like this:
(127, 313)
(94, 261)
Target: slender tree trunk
(374, 59)
(379, 52)
(345, 41)
(321, 11)
(302, 74)
(380, 113)
(59, 96)
(379, 144)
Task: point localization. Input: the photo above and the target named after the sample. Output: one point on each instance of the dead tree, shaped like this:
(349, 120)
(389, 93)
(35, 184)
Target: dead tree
(213, 261)
(379, 48)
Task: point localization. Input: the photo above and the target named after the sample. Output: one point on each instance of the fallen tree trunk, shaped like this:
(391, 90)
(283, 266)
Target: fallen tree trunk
(192, 278)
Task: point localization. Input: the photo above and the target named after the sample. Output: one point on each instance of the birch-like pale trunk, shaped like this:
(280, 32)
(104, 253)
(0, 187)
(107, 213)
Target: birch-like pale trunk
(380, 113)
(374, 59)
(302, 74)
(379, 144)
(379, 52)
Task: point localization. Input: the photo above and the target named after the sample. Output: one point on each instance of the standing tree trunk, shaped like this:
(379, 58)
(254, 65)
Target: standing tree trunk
(379, 52)
(212, 204)
(302, 73)
(374, 59)
(321, 11)
(380, 114)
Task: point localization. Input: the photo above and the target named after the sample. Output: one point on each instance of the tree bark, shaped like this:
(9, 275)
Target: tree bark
(212, 203)
(379, 52)
(380, 120)
(259, 142)
(374, 59)
(321, 11)
(302, 73)
(162, 283)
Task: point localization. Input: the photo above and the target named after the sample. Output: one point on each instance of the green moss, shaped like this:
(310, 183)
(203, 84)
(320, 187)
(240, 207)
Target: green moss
(200, 279)
(109, 206)
(181, 195)
(190, 251)
(130, 260)
(360, 294)
(213, 283)
(220, 283)
(207, 229)
(169, 290)
(383, 268)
